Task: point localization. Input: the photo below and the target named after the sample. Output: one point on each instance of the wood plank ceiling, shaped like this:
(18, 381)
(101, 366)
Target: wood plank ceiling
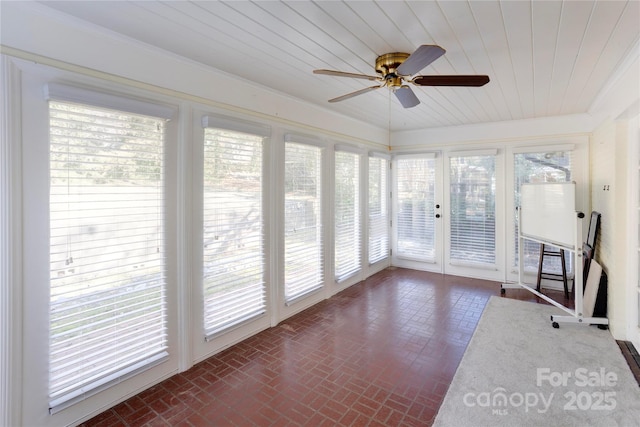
(544, 58)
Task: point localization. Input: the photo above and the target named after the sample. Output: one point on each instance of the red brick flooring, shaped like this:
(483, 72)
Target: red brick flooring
(381, 353)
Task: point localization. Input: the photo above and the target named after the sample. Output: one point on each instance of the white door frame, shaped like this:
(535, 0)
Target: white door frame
(407, 262)
(633, 221)
(489, 272)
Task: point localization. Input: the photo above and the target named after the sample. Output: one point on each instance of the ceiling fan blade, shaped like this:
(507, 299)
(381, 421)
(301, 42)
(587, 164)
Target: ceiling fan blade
(406, 97)
(458, 80)
(356, 93)
(344, 74)
(423, 56)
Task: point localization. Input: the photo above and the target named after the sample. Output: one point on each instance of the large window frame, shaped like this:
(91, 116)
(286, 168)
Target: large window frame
(233, 232)
(206, 342)
(35, 194)
(304, 228)
(108, 288)
(554, 166)
(378, 208)
(348, 242)
(579, 149)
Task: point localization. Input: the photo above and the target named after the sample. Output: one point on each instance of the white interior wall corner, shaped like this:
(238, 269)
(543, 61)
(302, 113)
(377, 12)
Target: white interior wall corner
(610, 251)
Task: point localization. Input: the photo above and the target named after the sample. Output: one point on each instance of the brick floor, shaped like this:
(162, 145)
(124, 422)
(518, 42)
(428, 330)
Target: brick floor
(381, 353)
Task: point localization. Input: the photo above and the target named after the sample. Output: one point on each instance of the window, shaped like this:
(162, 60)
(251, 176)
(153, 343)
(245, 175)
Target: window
(415, 208)
(107, 303)
(233, 237)
(551, 166)
(303, 246)
(472, 190)
(378, 209)
(347, 214)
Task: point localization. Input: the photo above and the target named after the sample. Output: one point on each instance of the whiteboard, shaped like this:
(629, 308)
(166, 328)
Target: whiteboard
(548, 212)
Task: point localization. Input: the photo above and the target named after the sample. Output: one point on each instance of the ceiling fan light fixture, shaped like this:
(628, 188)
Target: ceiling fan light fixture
(392, 69)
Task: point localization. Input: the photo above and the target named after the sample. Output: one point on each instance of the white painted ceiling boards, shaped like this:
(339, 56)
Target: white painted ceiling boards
(544, 58)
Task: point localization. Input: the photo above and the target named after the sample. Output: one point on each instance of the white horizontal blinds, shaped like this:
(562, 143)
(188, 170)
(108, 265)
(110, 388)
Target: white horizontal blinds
(472, 209)
(303, 246)
(415, 225)
(107, 258)
(233, 236)
(347, 214)
(544, 166)
(378, 209)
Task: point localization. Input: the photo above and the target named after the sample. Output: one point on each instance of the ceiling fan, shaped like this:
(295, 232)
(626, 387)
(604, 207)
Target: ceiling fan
(394, 70)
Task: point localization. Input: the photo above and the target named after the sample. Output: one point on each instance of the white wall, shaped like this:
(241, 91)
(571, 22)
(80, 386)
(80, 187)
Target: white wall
(611, 148)
(633, 222)
(611, 187)
(608, 196)
(497, 132)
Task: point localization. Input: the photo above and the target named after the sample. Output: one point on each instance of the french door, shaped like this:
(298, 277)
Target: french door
(472, 223)
(455, 211)
(446, 213)
(417, 219)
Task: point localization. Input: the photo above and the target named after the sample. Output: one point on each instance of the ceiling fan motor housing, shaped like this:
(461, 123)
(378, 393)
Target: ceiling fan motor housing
(386, 66)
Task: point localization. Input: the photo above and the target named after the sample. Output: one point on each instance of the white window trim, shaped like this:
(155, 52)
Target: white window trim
(425, 155)
(348, 148)
(10, 245)
(69, 93)
(237, 125)
(380, 155)
(541, 148)
(472, 153)
(305, 139)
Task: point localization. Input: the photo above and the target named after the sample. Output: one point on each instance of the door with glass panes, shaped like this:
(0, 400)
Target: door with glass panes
(453, 212)
(417, 219)
(471, 223)
(445, 213)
